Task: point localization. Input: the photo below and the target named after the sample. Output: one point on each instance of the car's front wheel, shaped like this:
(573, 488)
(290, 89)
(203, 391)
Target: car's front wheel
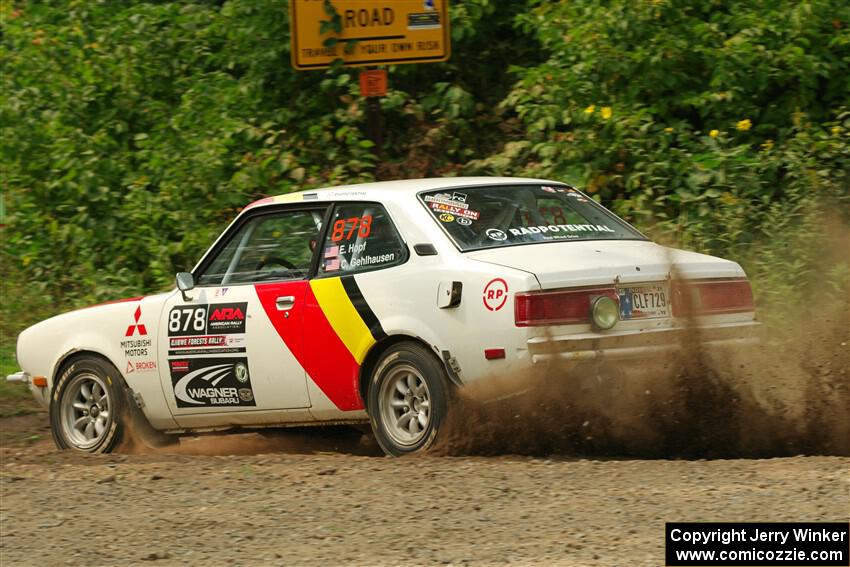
(87, 408)
(408, 399)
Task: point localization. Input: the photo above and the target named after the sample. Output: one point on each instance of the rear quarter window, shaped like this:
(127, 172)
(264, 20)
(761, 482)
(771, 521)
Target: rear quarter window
(361, 237)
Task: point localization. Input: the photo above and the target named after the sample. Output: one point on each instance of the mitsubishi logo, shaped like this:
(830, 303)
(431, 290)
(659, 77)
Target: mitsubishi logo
(132, 328)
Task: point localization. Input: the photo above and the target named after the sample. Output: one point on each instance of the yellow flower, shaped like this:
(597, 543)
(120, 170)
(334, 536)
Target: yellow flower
(744, 124)
(714, 133)
(767, 145)
(590, 109)
(836, 130)
(606, 112)
(668, 130)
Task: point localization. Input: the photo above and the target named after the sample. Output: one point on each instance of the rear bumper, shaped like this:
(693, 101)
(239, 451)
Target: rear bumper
(654, 343)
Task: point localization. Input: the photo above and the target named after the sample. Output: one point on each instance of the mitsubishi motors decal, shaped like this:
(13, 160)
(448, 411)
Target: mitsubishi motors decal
(136, 327)
(205, 382)
(137, 346)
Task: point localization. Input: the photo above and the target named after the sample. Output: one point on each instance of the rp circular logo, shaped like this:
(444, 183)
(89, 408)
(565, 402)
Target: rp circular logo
(496, 234)
(495, 294)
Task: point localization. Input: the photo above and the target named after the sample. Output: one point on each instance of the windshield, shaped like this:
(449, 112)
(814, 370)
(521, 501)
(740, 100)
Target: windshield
(509, 215)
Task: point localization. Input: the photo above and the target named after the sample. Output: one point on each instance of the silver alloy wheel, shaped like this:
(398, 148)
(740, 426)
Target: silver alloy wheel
(405, 405)
(86, 411)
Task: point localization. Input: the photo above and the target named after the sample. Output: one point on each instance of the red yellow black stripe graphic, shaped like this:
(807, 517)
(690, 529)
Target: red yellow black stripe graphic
(363, 309)
(329, 334)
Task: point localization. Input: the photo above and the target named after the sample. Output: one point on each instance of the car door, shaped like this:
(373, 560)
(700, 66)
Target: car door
(361, 241)
(228, 346)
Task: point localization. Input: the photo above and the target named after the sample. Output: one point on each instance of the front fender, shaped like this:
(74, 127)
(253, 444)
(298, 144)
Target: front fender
(124, 333)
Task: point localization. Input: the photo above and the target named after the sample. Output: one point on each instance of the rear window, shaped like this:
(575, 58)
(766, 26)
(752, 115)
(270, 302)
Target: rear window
(510, 215)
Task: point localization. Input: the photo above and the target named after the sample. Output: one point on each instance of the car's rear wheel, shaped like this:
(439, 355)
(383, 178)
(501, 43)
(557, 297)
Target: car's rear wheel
(408, 399)
(88, 408)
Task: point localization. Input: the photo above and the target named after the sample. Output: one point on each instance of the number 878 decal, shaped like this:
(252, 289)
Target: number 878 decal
(221, 318)
(344, 229)
(187, 320)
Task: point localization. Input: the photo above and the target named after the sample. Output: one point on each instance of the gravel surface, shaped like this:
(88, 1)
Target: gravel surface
(329, 498)
(342, 508)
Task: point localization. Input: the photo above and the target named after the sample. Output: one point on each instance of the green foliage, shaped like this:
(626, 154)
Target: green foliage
(131, 133)
(710, 124)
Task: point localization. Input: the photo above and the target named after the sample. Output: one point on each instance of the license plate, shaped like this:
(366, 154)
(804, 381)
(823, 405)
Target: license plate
(644, 302)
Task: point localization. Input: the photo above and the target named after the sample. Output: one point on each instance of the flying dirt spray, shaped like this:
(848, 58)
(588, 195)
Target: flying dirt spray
(787, 395)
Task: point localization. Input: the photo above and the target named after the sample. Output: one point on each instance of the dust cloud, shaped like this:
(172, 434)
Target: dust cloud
(787, 395)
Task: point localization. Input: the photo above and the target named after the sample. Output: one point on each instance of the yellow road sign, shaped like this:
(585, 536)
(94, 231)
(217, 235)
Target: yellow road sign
(374, 32)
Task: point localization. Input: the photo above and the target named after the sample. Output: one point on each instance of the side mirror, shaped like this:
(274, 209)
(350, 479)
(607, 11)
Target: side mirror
(185, 282)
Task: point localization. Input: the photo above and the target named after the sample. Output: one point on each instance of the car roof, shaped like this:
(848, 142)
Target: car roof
(384, 191)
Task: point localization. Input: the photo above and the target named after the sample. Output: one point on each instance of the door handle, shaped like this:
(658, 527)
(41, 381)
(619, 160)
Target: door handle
(285, 302)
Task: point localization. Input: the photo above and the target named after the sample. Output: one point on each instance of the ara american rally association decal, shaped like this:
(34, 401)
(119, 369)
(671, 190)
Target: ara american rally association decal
(207, 329)
(220, 381)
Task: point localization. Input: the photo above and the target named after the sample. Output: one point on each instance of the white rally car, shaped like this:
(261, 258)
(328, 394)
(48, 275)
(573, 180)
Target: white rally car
(373, 303)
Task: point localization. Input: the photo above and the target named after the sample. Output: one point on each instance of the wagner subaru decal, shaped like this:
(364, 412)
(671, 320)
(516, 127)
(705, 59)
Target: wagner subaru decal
(213, 319)
(204, 382)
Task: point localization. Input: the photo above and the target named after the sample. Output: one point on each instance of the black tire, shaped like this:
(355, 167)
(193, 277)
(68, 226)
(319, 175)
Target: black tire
(392, 412)
(106, 397)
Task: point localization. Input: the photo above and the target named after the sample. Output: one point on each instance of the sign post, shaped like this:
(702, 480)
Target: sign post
(373, 85)
(362, 33)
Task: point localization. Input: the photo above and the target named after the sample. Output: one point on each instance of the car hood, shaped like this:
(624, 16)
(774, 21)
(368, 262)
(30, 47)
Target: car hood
(592, 262)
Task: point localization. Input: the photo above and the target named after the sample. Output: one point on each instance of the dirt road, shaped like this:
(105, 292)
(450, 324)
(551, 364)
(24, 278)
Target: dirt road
(334, 508)
(250, 500)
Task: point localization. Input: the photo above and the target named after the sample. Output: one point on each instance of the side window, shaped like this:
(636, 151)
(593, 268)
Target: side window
(360, 237)
(272, 247)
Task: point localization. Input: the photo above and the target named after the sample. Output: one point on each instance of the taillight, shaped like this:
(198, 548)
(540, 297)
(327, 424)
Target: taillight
(563, 307)
(712, 297)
